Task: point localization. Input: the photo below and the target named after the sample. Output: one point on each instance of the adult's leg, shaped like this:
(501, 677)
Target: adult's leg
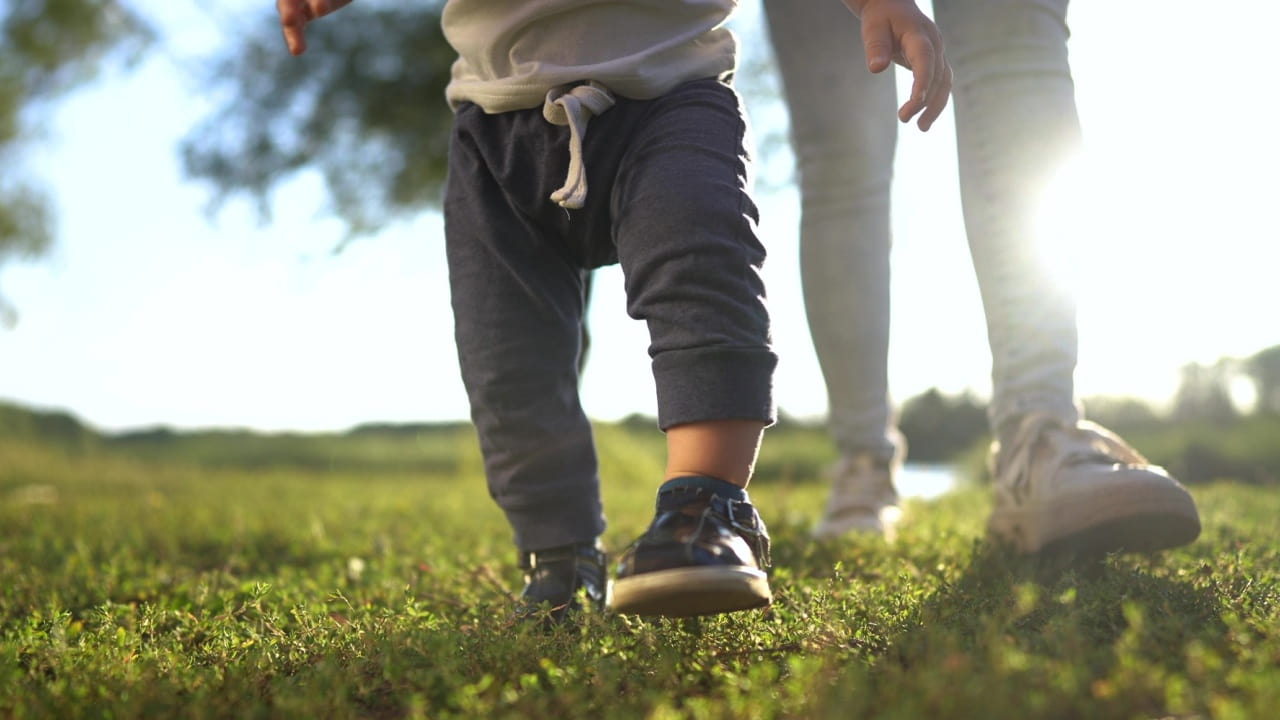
(1016, 122)
(1059, 483)
(517, 303)
(843, 131)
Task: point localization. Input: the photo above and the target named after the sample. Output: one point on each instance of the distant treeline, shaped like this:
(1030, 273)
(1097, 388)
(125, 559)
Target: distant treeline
(1223, 422)
(380, 447)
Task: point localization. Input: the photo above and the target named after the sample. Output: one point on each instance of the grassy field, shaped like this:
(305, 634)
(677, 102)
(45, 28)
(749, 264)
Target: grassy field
(148, 584)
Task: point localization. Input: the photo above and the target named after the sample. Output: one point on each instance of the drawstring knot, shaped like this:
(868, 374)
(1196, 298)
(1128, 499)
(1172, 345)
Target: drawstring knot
(574, 106)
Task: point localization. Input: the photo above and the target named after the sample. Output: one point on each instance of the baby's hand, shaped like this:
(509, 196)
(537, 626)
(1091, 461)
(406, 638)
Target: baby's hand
(896, 31)
(295, 14)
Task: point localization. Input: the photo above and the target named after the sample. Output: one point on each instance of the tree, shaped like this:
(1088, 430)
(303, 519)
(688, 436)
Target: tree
(1264, 370)
(1124, 415)
(365, 106)
(48, 47)
(1204, 393)
(938, 427)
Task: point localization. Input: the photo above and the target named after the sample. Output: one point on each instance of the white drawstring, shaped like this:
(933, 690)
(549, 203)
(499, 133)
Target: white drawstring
(575, 106)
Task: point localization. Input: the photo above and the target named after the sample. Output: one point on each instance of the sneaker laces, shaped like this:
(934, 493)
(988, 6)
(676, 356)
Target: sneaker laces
(574, 106)
(1053, 444)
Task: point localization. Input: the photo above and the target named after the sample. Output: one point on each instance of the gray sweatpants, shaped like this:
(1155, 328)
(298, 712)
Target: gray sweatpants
(667, 199)
(1015, 119)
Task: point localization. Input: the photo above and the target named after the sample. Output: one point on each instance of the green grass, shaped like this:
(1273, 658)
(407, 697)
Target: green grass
(157, 586)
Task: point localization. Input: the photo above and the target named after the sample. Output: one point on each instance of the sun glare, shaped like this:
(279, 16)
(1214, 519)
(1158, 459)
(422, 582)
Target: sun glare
(1096, 229)
(1063, 223)
(1165, 269)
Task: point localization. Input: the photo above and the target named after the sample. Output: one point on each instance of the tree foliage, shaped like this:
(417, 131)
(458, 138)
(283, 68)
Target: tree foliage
(1123, 414)
(939, 427)
(48, 47)
(364, 106)
(1204, 392)
(1264, 370)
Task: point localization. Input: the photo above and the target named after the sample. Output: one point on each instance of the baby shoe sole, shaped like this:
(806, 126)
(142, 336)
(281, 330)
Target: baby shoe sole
(691, 591)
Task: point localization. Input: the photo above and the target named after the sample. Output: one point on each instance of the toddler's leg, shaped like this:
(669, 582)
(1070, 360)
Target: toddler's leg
(685, 231)
(517, 303)
(724, 449)
(685, 228)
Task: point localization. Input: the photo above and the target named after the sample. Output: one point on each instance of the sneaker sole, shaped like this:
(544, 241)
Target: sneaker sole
(1146, 525)
(687, 592)
(1138, 534)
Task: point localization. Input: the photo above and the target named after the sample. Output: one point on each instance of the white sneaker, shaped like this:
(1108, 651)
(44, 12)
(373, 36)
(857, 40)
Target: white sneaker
(1081, 488)
(862, 499)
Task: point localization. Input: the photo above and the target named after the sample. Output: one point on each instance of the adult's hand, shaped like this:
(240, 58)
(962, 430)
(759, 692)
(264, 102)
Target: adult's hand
(897, 31)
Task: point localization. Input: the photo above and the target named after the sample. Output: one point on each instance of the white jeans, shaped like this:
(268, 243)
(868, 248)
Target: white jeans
(1015, 119)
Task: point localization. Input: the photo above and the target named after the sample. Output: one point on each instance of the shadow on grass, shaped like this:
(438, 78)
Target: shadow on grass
(1058, 636)
(1090, 596)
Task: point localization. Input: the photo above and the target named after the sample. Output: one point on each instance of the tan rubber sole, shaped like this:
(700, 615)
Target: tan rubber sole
(687, 592)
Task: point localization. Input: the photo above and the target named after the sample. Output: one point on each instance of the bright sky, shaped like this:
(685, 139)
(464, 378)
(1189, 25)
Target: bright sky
(148, 312)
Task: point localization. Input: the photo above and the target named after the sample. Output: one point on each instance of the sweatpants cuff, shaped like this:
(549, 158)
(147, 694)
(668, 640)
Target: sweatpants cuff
(562, 521)
(715, 384)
